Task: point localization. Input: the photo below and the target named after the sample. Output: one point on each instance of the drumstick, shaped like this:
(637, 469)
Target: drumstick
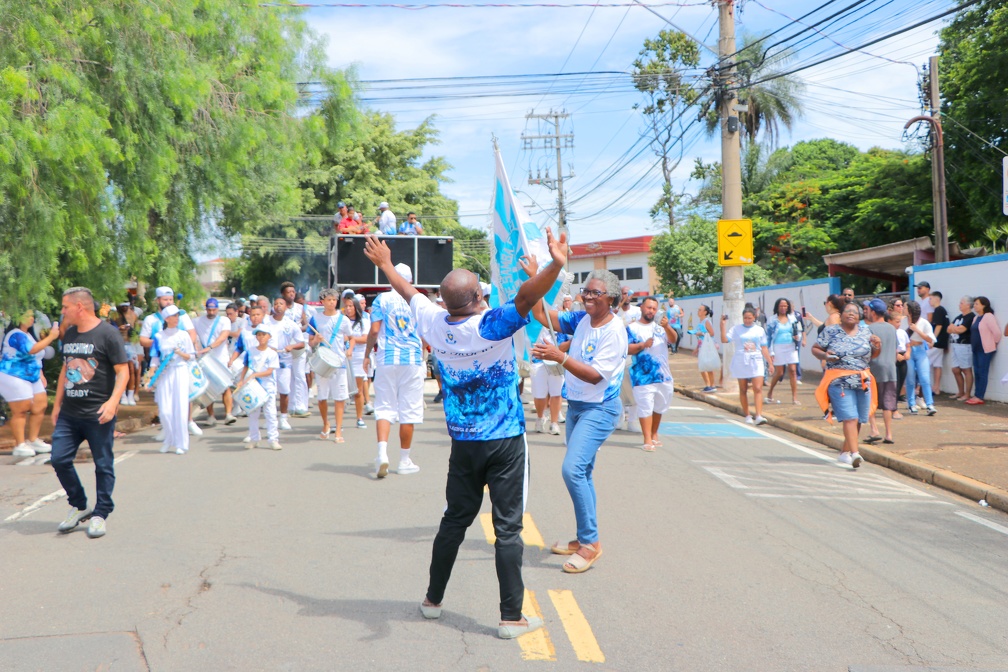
(323, 341)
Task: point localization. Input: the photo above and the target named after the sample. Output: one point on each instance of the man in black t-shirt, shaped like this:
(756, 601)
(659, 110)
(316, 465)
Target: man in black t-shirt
(94, 376)
(936, 354)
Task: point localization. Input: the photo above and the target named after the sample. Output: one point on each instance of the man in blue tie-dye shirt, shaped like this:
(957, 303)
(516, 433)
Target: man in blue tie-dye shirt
(485, 418)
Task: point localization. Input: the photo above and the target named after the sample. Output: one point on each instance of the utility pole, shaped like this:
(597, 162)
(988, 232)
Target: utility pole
(938, 197)
(558, 141)
(733, 282)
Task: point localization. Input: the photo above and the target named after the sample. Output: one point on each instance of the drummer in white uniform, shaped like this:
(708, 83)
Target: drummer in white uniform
(262, 363)
(153, 323)
(246, 342)
(213, 330)
(172, 349)
(329, 331)
(296, 313)
(289, 338)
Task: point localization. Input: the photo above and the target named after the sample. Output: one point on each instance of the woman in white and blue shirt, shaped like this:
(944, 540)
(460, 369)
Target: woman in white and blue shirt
(22, 384)
(593, 375)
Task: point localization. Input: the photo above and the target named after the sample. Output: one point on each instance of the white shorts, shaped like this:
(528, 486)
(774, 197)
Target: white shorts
(398, 391)
(16, 389)
(935, 356)
(543, 384)
(283, 378)
(653, 398)
(962, 355)
(784, 353)
(333, 388)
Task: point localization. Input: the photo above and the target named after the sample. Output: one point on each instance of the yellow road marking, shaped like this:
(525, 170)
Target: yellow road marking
(578, 631)
(530, 535)
(535, 645)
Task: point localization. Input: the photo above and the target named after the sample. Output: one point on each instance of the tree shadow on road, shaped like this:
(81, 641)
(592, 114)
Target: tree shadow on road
(376, 615)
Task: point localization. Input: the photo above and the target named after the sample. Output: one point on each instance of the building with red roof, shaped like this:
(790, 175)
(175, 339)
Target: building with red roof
(628, 258)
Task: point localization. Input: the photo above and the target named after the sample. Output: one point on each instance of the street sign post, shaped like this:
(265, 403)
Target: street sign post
(735, 242)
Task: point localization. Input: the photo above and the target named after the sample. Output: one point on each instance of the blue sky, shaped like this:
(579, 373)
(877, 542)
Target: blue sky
(859, 98)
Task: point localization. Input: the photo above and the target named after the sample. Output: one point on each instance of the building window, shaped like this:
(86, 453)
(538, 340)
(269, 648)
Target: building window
(584, 277)
(618, 272)
(635, 273)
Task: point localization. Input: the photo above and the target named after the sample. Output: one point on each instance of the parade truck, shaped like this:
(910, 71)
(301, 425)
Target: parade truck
(429, 257)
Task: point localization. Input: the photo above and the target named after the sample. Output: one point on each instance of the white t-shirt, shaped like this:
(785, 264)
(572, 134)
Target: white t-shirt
(247, 341)
(651, 365)
(604, 348)
(902, 340)
(628, 316)
(476, 358)
(358, 330)
(167, 341)
(334, 329)
(287, 333)
(925, 328)
(258, 361)
(387, 223)
(747, 362)
(208, 330)
(154, 323)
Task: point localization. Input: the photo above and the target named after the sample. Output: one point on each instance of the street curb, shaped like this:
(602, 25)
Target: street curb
(128, 425)
(963, 486)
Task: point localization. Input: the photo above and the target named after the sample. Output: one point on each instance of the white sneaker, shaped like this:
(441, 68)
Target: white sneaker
(124, 400)
(181, 451)
(131, 401)
(96, 528)
(554, 429)
(368, 409)
(541, 425)
(230, 419)
(562, 419)
(165, 448)
(160, 436)
(248, 439)
(74, 518)
(194, 430)
(760, 420)
(23, 450)
(275, 445)
(381, 466)
(749, 420)
(407, 467)
(211, 421)
(361, 424)
(284, 425)
(856, 460)
(845, 458)
(251, 445)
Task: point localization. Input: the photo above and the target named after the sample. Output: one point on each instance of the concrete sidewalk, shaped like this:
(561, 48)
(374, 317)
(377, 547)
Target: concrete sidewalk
(963, 448)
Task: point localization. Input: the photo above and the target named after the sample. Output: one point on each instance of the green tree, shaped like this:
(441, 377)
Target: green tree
(659, 73)
(974, 60)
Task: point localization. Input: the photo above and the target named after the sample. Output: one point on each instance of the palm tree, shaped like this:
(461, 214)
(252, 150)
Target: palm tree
(774, 99)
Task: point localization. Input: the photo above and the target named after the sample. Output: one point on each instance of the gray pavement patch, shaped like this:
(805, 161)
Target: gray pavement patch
(111, 651)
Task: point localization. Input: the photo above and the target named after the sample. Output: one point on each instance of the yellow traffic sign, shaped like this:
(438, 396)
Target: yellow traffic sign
(735, 242)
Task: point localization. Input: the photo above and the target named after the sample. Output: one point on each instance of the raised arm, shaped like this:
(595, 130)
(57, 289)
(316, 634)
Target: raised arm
(534, 289)
(378, 252)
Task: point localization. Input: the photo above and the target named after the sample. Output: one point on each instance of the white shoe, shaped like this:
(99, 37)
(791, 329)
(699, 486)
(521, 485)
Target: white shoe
(855, 460)
(381, 466)
(248, 439)
(124, 400)
(96, 528)
(40, 446)
(160, 436)
(230, 419)
(749, 420)
(165, 448)
(194, 430)
(562, 419)
(845, 458)
(368, 409)
(554, 429)
(407, 467)
(74, 518)
(275, 445)
(541, 425)
(181, 451)
(211, 421)
(23, 450)
(251, 445)
(760, 420)
(284, 425)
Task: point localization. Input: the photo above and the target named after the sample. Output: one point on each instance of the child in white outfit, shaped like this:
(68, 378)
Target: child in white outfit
(262, 362)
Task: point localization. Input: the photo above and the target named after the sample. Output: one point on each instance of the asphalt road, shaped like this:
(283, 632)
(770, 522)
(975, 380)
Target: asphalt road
(728, 549)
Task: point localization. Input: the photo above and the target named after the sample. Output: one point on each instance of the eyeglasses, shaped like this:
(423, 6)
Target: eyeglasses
(591, 293)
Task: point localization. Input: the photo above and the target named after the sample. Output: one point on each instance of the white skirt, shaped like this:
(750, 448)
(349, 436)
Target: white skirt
(784, 353)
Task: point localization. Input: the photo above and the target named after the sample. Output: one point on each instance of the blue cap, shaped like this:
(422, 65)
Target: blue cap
(212, 303)
(262, 329)
(341, 204)
(876, 304)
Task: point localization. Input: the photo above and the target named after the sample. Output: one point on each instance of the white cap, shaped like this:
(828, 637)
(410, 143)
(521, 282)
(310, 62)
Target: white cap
(383, 205)
(168, 311)
(485, 286)
(163, 291)
(359, 297)
(404, 270)
(253, 298)
(347, 293)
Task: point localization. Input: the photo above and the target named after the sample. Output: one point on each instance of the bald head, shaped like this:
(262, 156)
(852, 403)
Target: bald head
(460, 290)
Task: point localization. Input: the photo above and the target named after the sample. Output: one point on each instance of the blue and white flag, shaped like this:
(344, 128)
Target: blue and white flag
(515, 235)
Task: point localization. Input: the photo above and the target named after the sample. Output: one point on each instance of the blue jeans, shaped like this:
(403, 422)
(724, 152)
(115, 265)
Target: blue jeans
(588, 426)
(67, 437)
(918, 371)
(981, 368)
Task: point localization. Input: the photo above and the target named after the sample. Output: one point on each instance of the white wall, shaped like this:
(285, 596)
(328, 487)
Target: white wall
(812, 292)
(624, 261)
(986, 276)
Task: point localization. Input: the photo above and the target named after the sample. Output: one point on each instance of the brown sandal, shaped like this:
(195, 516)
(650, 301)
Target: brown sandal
(580, 562)
(569, 549)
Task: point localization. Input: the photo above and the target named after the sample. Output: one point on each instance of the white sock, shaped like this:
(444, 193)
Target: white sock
(404, 454)
(283, 416)
(383, 451)
(129, 395)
